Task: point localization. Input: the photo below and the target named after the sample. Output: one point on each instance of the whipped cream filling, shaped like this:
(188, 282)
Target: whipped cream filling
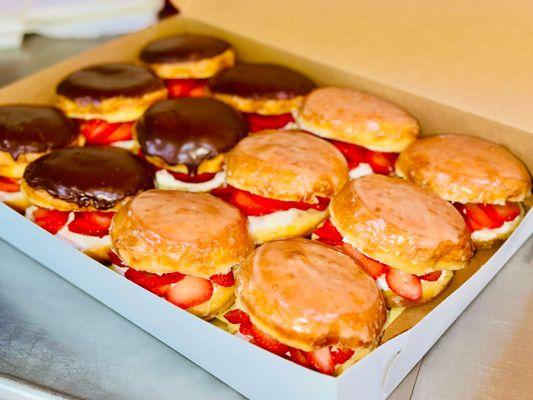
(76, 240)
(277, 219)
(125, 144)
(361, 170)
(11, 196)
(165, 180)
(485, 234)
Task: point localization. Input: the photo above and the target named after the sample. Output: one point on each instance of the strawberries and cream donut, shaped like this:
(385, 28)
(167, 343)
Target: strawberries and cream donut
(182, 246)
(75, 192)
(283, 182)
(369, 131)
(482, 179)
(310, 303)
(266, 93)
(27, 132)
(107, 99)
(186, 139)
(187, 61)
(408, 239)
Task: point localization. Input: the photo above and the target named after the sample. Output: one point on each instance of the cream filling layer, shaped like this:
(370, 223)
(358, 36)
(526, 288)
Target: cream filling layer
(485, 234)
(362, 169)
(165, 180)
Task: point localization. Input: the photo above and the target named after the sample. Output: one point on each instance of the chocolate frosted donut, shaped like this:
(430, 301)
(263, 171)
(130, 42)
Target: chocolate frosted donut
(109, 80)
(261, 81)
(189, 130)
(34, 129)
(98, 177)
(182, 48)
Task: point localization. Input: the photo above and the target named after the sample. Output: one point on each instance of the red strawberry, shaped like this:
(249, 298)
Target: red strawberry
(258, 122)
(299, 357)
(192, 178)
(381, 163)
(161, 291)
(354, 154)
(190, 291)
(245, 328)
(148, 280)
(226, 280)
(327, 233)
(406, 285)
(223, 192)
(115, 259)
(322, 360)
(507, 212)
(186, 88)
(236, 316)
(247, 204)
(372, 267)
(267, 342)
(476, 213)
(50, 220)
(9, 185)
(340, 356)
(432, 276)
(91, 223)
(121, 132)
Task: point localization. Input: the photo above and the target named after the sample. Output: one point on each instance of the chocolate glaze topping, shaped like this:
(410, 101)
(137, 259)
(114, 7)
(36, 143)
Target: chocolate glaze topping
(34, 129)
(102, 81)
(261, 81)
(189, 130)
(99, 177)
(181, 48)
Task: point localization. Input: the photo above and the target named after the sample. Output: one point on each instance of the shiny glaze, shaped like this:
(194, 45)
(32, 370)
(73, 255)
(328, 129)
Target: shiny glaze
(261, 81)
(181, 48)
(189, 130)
(102, 81)
(34, 129)
(90, 176)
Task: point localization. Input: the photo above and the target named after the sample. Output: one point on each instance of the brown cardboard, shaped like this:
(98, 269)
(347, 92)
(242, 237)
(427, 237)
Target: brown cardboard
(473, 55)
(434, 117)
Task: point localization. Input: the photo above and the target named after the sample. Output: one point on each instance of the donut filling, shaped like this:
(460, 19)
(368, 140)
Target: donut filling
(8, 186)
(183, 290)
(187, 88)
(408, 286)
(482, 217)
(171, 180)
(99, 132)
(362, 161)
(258, 122)
(325, 360)
(253, 205)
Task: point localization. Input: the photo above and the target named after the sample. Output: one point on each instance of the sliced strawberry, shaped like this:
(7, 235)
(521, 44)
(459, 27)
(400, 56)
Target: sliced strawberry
(381, 163)
(299, 357)
(192, 178)
(327, 233)
(258, 122)
(340, 356)
(406, 285)
(9, 185)
(322, 360)
(236, 316)
(91, 223)
(121, 132)
(432, 276)
(190, 291)
(186, 88)
(150, 281)
(161, 291)
(502, 214)
(245, 328)
(50, 220)
(476, 213)
(247, 205)
(354, 154)
(115, 259)
(223, 192)
(226, 280)
(99, 132)
(372, 267)
(267, 342)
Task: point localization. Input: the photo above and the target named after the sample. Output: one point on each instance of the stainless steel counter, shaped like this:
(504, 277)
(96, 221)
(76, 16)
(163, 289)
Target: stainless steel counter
(57, 342)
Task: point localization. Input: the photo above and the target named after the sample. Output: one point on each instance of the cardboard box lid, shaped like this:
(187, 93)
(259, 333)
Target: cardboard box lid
(476, 56)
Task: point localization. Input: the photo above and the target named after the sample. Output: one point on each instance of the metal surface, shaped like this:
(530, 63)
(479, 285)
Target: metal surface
(57, 342)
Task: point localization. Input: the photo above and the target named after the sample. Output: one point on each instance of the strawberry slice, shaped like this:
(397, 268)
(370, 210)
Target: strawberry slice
(236, 316)
(353, 153)
(91, 223)
(432, 276)
(190, 291)
(322, 360)
(98, 132)
(340, 356)
(258, 122)
(328, 234)
(372, 267)
(152, 281)
(226, 280)
(223, 192)
(50, 220)
(9, 185)
(406, 285)
(476, 213)
(502, 214)
(299, 357)
(161, 291)
(186, 88)
(381, 163)
(267, 342)
(192, 178)
(115, 259)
